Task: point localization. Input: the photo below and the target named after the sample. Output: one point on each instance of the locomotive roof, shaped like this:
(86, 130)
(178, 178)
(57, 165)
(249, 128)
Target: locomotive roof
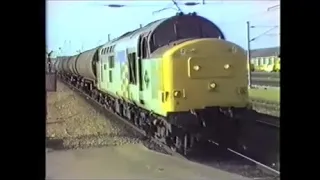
(151, 25)
(155, 24)
(92, 49)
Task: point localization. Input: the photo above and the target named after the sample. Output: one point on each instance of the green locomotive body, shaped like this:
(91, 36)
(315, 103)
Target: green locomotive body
(170, 77)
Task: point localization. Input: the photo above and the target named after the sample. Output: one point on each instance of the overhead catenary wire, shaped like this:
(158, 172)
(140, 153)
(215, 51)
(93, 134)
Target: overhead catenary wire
(245, 18)
(272, 8)
(189, 3)
(177, 7)
(174, 4)
(262, 34)
(255, 14)
(273, 34)
(264, 26)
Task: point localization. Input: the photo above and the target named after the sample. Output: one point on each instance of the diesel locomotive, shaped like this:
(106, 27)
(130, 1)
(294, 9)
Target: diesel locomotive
(177, 78)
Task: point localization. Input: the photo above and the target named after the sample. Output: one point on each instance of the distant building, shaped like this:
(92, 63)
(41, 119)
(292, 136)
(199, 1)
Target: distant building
(265, 56)
(265, 52)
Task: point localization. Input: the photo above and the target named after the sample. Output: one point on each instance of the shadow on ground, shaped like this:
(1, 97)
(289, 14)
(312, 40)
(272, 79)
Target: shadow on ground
(54, 144)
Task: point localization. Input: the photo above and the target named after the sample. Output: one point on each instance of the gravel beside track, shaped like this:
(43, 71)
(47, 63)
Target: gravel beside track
(265, 107)
(72, 123)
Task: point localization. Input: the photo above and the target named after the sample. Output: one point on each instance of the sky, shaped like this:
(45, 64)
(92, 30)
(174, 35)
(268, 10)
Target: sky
(74, 25)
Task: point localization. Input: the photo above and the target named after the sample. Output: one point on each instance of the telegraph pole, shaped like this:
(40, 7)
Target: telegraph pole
(249, 40)
(248, 53)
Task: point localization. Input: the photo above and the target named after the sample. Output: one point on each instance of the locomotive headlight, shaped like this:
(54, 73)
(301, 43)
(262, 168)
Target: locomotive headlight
(212, 86)
(196, 67)
(226, 66)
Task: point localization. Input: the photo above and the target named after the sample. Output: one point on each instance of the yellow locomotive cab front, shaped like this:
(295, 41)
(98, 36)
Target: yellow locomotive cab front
(204, 73)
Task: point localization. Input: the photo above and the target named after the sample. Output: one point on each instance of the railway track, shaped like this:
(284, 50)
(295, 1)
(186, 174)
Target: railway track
(274, 173)
(267, 107)
(265, 79)
(275, 75)
(265, 104)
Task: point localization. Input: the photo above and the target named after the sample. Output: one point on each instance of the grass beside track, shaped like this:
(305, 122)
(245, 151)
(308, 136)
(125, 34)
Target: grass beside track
(265, 94)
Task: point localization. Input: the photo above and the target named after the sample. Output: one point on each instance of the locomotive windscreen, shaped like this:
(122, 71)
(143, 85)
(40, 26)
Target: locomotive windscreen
(183, 27)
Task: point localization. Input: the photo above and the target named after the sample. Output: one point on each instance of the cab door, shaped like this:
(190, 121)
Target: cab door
(142, 54)
(99, 70)
(103, 69)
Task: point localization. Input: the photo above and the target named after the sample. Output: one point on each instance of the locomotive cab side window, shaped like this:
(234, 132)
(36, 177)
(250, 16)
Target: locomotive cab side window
(144, 48)
(110, 76)
(111, 62)
(111, 66)
(132, 68)
(138, 62)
